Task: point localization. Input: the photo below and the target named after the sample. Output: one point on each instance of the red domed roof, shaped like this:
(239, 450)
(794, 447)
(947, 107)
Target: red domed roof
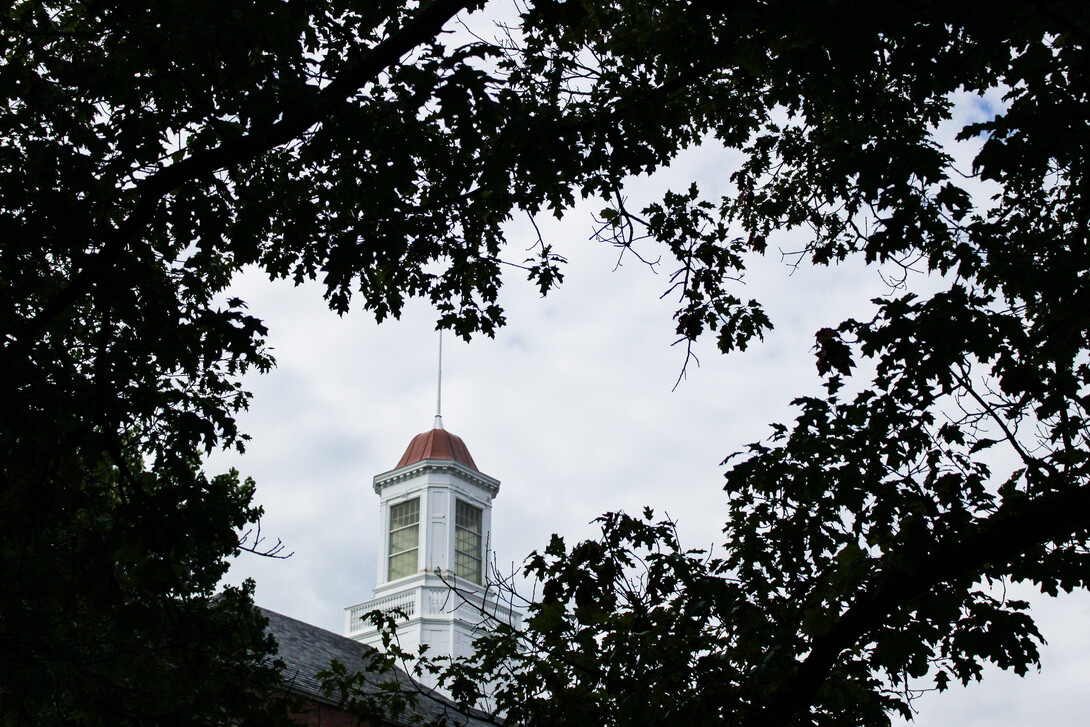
(437, 444)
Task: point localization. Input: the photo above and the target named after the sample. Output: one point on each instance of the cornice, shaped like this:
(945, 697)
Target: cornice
(489, 484)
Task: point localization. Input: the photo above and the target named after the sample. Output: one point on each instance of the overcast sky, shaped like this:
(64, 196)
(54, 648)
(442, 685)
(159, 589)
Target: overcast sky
(571, 407)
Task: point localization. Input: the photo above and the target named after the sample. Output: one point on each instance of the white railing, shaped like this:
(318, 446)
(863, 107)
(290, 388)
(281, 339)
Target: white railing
(469, 606)
(405, 602)
(435, 601)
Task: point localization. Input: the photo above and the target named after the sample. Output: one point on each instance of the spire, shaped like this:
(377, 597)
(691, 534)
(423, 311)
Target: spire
(439, 387)
(437, 443)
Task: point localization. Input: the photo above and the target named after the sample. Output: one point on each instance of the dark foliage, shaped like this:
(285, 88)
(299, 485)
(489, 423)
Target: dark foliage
(148, 153)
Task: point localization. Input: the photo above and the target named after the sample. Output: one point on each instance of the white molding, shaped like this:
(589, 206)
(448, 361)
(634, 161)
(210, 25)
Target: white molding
(489, 484)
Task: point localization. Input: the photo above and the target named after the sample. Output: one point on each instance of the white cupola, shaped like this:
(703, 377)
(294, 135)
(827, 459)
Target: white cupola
(436, 514)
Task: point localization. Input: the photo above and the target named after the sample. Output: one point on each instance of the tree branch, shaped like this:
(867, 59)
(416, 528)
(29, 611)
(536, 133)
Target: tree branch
(999, 539)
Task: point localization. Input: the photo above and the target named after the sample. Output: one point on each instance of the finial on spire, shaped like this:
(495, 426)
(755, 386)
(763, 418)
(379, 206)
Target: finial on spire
(439, 387)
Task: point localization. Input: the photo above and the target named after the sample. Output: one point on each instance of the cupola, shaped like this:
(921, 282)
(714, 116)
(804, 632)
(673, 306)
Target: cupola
(436, 513)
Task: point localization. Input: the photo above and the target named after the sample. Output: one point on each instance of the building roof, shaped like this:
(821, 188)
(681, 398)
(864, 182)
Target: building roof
(437, 443)
(307, 650)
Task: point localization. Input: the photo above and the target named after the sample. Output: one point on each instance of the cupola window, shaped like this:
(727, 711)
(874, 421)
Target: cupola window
(404, 538)
(467, 542)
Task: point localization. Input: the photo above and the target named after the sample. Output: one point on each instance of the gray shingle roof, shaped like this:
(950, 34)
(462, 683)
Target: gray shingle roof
(307, 650)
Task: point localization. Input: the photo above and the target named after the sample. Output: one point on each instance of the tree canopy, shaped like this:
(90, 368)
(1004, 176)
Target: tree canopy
(149, 153)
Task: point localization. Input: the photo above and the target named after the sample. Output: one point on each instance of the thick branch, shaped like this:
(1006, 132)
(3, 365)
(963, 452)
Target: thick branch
(295, 121)
(999, 539)
(292, 124)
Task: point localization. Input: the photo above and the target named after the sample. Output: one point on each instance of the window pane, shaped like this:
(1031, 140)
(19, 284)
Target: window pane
(404, 513)
(467, 542)
(404, 539)
(468, 517)
(468, 567)
(403, 564)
